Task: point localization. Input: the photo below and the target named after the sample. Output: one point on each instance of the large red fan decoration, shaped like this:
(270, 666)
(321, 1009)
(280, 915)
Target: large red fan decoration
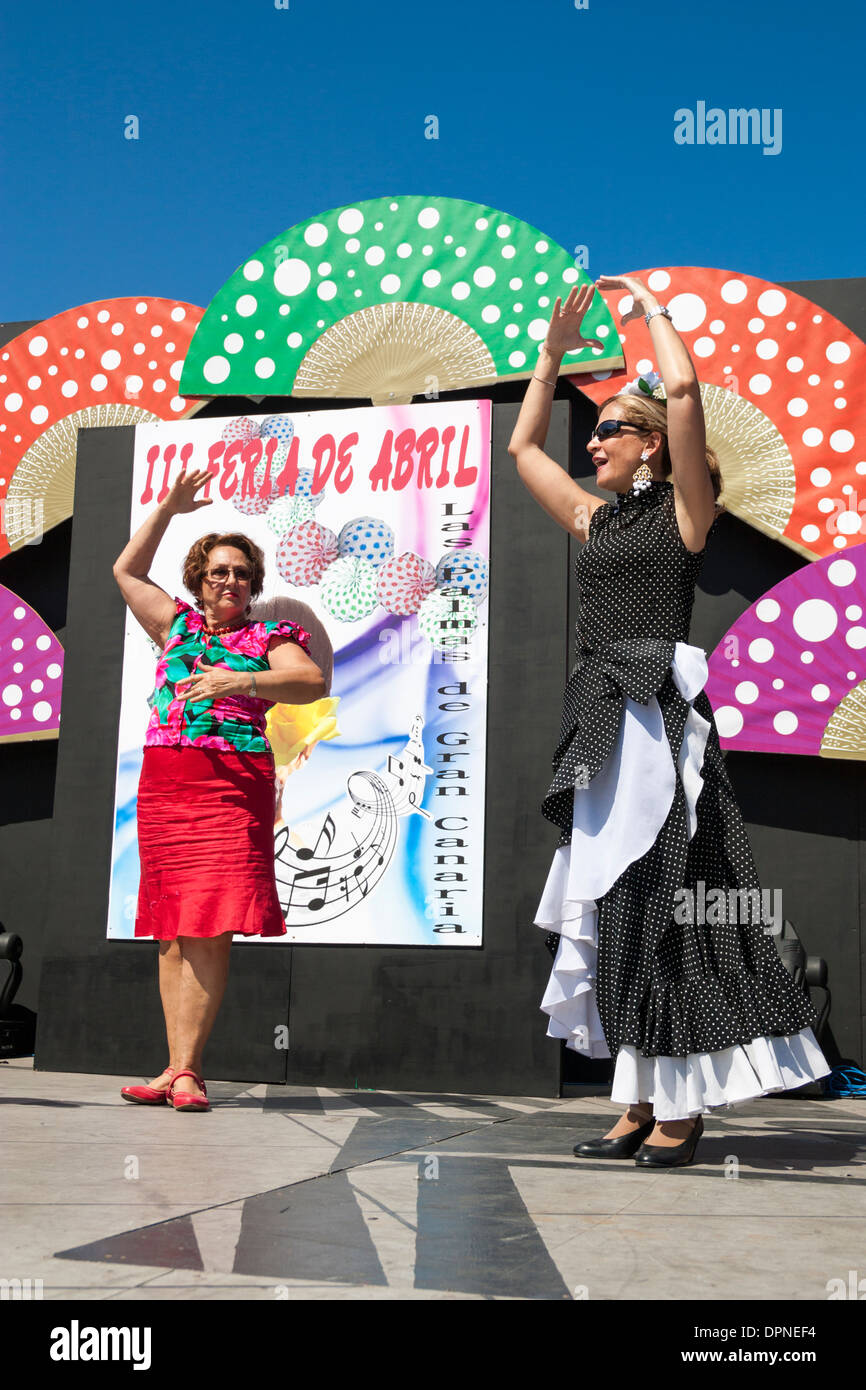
(113, 362)
(779, 381)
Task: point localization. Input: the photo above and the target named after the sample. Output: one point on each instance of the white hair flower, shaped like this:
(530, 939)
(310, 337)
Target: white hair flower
(646, 385)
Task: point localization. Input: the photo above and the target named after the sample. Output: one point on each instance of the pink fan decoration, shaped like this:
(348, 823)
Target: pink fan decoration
(305, 551)
(405, 582)
(790, 675)
(31, 672)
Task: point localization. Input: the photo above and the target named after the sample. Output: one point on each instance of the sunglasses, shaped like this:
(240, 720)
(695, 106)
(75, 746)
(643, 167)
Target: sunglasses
(220, 573)
(608, 428)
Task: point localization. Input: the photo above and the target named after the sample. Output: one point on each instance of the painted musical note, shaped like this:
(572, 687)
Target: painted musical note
(327, 833)
(357, 873)
(408, 774)
(317, 878)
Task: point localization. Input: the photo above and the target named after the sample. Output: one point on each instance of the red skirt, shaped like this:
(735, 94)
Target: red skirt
(206, 844)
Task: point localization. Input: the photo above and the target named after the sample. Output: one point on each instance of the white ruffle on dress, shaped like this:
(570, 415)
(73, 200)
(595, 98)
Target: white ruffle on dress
(617, 818)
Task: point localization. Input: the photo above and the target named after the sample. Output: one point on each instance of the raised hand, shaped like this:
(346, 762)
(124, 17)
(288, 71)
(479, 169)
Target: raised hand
(563, 332)
(643, 298)
(181, 495)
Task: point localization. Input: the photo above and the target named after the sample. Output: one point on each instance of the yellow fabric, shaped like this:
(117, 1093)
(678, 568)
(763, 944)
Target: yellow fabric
(292, 728)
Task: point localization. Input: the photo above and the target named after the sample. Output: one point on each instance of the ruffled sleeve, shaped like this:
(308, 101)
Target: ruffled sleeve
(257, 636)
(286, 628)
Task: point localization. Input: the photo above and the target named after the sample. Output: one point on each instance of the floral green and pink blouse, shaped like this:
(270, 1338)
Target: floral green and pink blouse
(234, 723)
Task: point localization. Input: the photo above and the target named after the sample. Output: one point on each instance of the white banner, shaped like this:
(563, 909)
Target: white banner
(378, 520)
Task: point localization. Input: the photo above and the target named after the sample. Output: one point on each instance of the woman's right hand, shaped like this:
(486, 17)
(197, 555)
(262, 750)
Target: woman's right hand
(181, 495)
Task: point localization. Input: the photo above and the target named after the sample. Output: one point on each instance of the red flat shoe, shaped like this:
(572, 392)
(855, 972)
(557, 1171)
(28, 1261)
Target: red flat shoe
(184, 1100)
(148, 1095)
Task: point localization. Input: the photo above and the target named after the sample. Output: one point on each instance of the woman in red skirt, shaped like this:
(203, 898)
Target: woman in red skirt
(206, 792)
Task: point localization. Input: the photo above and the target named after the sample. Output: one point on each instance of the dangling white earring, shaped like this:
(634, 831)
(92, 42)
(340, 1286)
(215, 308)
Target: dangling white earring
(642, 476)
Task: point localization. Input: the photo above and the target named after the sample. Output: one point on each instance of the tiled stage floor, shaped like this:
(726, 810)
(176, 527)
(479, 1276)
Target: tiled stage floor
(303, 1192)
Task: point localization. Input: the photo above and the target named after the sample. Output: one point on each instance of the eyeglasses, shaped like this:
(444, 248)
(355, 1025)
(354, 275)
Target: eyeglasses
(220, 574)
(608, 428)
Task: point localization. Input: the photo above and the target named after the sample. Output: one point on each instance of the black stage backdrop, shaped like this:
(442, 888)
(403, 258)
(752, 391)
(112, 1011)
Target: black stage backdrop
(460, 1020)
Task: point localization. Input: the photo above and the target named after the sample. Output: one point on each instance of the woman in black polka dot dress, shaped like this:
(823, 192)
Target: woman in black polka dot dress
(665, 957)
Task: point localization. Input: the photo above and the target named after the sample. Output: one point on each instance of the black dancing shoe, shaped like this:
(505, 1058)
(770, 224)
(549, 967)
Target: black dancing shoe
(673, 1155)
(624, 1146)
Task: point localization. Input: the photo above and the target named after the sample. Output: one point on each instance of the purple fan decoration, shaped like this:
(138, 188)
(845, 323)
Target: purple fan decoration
(31, 672)
(790, 675)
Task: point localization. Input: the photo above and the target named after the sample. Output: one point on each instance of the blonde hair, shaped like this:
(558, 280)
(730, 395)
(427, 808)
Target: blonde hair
(649, 413)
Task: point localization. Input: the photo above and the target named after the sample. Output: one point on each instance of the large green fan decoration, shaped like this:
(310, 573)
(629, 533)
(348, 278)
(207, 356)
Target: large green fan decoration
(391, 298)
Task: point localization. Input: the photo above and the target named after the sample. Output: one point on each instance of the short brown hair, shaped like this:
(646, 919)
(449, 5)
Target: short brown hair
(196, 561)
(649, 413)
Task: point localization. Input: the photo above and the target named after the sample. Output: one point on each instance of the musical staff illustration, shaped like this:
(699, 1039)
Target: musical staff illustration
(318, 885)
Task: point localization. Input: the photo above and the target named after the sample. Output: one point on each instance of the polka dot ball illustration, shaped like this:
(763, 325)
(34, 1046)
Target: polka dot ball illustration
(288, 512)
(242, 428)
(464, 569)
(349, 588)
(447, 620)
(405, 582)
(279, 426)
(255, 504)
(304, 552)
(367, 538)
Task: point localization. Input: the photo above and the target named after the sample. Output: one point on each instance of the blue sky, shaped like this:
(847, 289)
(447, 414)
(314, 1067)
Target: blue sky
(253, 118)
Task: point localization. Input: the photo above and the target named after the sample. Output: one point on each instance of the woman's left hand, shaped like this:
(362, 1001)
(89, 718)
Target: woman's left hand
(644, 299)
(564, 330)
(212, 683)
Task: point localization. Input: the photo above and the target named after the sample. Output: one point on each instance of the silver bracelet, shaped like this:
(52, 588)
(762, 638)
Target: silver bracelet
(252, 689)
(659, 309)
(544, 379)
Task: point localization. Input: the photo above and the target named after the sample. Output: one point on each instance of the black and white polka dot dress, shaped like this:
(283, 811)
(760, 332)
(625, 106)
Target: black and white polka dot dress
(696, 1011)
